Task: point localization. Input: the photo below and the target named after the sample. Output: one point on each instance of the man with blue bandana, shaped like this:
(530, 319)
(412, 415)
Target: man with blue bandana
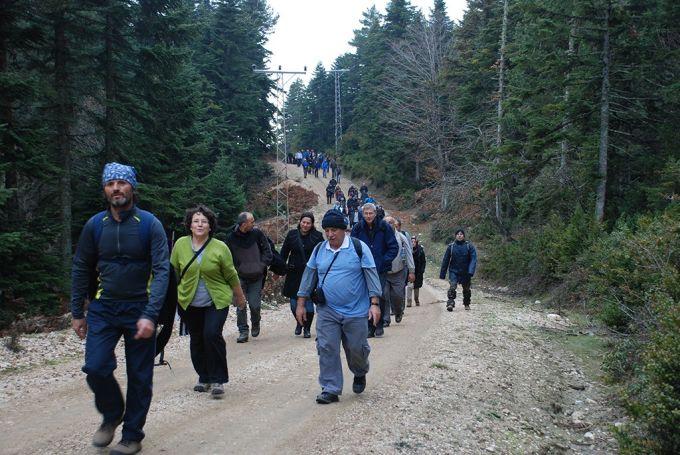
(127, 250)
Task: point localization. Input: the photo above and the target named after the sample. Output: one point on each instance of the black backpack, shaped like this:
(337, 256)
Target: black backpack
(278, 265)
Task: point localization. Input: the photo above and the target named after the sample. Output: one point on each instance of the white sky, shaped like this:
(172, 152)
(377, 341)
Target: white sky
(313, 31)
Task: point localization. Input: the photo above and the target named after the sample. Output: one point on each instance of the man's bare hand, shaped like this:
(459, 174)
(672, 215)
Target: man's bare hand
(80, 327)
(300, 312)
(374, 314)
(145, 329)
(411, 277)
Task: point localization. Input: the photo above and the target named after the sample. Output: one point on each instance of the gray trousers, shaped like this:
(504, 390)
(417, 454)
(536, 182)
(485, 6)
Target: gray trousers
(394, 292)
(253, 292)
(331, 329)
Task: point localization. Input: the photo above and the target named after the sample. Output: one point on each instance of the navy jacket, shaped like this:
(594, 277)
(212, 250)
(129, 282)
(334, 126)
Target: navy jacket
(128, 270)
(380, 240)
(460, 258)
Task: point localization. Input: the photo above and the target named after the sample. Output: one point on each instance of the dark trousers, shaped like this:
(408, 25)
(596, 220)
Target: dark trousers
(465, 282)
(207, 346)
(107, 322)
(383, 306)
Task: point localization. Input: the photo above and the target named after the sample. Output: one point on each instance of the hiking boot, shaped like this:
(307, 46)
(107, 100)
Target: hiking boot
(298, 329)
(450, 306)
(417, 303)
(308, 333)
(104, 434)
(371, 333)
(201, 387)
(255, 331)
(217, 390)
(242, 337)
(398, 317)
(327, 398)
(467, 307)
(125, 447)
(386, 323)
(379, 332)
(359, 384)
(408, 304)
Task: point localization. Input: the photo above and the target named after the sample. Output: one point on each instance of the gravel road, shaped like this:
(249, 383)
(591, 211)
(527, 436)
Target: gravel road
(494, 379)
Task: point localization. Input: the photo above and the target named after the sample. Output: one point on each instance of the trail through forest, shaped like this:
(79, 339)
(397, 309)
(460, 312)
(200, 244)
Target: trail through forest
(498, 379)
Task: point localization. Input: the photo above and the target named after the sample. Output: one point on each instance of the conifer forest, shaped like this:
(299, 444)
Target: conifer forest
(551, 129)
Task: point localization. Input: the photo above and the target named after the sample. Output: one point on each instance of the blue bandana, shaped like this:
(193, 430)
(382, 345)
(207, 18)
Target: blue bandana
(117, 171)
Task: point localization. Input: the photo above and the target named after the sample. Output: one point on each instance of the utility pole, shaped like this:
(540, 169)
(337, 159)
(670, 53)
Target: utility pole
(282, 207)
(338, 108)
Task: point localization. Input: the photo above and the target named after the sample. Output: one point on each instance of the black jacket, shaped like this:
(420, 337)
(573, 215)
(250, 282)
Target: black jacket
(292, 252)
(420, 262)
(251, 253)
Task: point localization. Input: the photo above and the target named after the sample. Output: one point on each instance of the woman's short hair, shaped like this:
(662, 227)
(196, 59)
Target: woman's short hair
(206, 212)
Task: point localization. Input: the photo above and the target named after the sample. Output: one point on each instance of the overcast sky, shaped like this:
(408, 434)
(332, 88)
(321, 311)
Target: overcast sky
(313, 31)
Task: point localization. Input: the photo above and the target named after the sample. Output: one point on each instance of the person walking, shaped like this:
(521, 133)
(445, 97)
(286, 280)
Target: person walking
(298, 158)
(353, 210)
(127, 250)
(324, 167)
(252, 255)
(207, 285)
(403, 270)
(296, 250)
(380, 238)
(460, 260)
(413, 289)
(347, 280)
(363, 192)
(305, 167)
(330, 192)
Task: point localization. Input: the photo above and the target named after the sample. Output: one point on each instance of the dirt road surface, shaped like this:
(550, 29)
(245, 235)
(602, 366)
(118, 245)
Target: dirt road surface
(496, 379)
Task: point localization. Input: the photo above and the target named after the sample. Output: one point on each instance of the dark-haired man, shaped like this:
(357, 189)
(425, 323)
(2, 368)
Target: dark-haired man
(127, 248)
(252, 255)
(460, 260)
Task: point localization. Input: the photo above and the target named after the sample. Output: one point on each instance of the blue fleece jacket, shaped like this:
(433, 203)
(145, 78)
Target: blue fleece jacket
(381, 240)
(127, 270)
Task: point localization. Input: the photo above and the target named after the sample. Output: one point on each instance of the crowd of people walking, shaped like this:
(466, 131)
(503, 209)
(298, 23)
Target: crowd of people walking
(366, 270)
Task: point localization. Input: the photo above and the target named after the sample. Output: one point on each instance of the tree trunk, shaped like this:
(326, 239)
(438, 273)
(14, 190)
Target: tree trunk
(604, 122)
(109, 87)
(64, 112)
(417, 171)
(501, 94)
(7, 176)
(564, 145)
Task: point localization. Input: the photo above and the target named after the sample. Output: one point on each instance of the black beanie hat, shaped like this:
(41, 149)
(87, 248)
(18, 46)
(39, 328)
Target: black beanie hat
(333, 219)
(459, 230)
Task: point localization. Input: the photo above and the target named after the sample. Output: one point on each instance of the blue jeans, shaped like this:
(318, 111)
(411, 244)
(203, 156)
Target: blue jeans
(107, 322)
(333, 328)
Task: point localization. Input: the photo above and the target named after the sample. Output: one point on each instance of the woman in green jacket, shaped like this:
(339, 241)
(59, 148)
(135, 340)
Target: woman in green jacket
(207, 285)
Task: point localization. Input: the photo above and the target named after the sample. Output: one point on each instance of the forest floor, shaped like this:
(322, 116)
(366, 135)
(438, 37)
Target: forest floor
(508, 376)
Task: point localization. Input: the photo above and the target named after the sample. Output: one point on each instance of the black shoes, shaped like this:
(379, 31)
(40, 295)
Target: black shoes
(386, 323)
(467, 307)
(371, 333)
(308, 333)
(255, 331)
(450, 306)
(379, 332)
(298, 329)
(327, 398)
(359, 384)
(397, 317)
(242, 337)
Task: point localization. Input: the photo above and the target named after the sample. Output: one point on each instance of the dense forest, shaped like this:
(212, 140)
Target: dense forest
(549, 128)
(164, 85)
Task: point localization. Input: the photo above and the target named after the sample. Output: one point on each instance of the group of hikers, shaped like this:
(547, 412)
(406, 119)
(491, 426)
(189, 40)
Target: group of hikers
(351, 205)
(353, 282)
(313, 162)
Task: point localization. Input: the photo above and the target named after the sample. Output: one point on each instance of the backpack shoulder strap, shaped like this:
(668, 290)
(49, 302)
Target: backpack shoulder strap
(357, 247)
(145, 220)
(98, 225)
(317, 248)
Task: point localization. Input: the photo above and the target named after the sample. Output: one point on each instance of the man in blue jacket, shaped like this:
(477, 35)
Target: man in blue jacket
(127, 249)
(460, 260)
(380, 238)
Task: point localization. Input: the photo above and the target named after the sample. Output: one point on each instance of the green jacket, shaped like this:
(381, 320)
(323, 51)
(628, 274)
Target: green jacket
(216, 269)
